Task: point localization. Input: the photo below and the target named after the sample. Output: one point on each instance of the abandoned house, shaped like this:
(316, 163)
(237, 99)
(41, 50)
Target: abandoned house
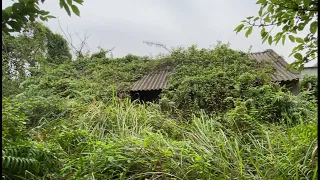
(149, 87)
(281, 75)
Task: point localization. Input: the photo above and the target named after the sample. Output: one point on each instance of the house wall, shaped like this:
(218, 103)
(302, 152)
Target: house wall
(295, 87)
(311, 71)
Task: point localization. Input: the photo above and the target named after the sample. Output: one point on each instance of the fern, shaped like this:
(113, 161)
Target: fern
(16, 165)
(16, 160)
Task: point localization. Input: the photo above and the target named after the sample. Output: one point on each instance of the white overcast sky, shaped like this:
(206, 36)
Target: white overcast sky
(127, 23)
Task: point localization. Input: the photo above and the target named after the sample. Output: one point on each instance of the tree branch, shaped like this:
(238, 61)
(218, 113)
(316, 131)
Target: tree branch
(77, 51)
(296, 8)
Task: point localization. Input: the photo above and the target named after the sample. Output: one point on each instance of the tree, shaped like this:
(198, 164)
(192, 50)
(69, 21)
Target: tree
(35, 46)
(17, 16)
(23, 53)
(293, 16)
(58, 50)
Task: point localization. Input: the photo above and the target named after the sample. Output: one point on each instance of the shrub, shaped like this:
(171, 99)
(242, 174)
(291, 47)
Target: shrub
(310, 84)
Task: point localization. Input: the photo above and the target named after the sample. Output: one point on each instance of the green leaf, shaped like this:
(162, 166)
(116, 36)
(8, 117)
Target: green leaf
(78, 1)
(259, 1)
(250, 17)
(31, 18)
(260, 12)
(298, 56)
(8, 10)
(61, 3)
(264, 34)
(270, 40)
(44, 12)
(306, 3)
(292, 39)
(43, 18)
(15, 25)
(314, 27)
(16, 7)
(239, 28)
(5, 16)
(299, 40)
(23, 1)
(69, 2)
(265, 38)
(75, 10)
(277, 37)
(267, 19)
(294, 30)
(49, 17)
(291, 23)
(263, 30)
(285, 28)
(301, 26)
(249, 31)
(291, 66)
(270, 8)
(283, 39)
(66, 7)
(300, 68)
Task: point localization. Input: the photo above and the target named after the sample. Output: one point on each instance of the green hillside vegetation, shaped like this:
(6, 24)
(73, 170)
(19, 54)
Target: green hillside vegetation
(221, 117)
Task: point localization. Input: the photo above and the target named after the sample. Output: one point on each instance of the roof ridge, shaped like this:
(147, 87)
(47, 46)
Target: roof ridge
(278, 62)
(265, 51)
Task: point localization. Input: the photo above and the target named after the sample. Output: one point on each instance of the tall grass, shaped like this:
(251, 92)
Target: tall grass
(128, 140)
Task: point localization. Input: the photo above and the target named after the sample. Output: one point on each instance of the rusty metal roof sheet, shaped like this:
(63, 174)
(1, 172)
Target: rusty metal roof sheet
(153, 81)
(279, 64)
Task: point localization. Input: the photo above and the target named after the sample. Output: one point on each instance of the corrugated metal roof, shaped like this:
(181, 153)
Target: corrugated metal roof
(279, 64)
(153, 81)
(159, 80)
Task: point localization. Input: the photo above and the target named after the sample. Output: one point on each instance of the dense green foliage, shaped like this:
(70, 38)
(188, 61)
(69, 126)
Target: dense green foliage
(217, 80)
(293, 17)
(220, 118)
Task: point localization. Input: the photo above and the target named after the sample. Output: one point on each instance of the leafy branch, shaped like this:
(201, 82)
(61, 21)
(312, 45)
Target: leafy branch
(19, 14)
(293, 17)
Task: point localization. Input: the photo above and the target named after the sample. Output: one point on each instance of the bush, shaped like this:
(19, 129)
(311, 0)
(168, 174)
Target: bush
(310, 84)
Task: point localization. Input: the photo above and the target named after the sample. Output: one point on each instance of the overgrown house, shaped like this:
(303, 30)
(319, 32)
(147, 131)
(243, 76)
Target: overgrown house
(149, 87)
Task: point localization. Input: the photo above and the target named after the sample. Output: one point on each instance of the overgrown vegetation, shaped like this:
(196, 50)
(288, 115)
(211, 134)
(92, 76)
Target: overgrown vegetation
(220, 118)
